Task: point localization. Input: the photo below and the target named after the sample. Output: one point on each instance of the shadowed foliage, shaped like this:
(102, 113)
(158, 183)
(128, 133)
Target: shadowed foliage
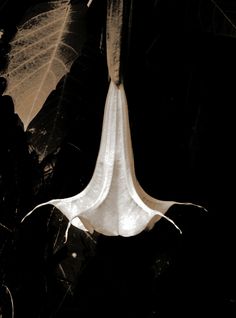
(179, 75)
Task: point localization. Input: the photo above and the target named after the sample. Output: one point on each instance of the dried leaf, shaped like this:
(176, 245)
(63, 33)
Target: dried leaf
(42, 52)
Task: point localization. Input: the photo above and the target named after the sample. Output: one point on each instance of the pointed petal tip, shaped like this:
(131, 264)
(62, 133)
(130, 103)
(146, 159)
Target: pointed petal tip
(28, 214)
(157, 218)
(35, 208)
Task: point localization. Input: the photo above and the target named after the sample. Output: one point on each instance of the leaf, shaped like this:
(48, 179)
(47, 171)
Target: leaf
(68, 105)
(42, 52)
(47, 129)
(218, 17)
(224, 19)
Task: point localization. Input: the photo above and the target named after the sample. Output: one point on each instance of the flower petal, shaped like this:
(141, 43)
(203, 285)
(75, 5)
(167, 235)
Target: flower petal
(114, 203)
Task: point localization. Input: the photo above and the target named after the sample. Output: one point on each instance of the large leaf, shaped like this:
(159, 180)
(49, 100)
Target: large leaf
(65, 111)
(47, 129)
(42, 52)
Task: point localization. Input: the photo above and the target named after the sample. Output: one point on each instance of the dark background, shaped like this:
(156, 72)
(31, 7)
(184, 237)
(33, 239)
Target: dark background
(179, 68)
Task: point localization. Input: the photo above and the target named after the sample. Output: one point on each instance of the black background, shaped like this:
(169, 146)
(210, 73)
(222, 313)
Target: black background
(179, 68)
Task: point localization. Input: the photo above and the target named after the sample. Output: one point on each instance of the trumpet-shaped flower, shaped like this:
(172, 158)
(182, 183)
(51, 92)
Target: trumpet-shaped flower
(114, 203)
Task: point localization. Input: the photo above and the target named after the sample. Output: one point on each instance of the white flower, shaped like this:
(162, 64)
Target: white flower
(113, 203)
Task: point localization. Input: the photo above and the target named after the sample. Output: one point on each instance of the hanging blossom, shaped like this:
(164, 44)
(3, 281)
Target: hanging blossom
(114, 203)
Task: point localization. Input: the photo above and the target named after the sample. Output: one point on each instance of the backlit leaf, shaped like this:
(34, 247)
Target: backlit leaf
(42, 52)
